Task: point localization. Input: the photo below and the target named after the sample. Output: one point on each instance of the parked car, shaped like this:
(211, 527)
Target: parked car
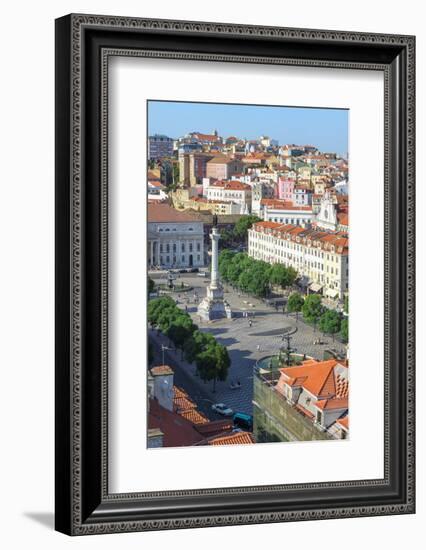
(222, 409)
(194, 270)
(202, 274)
(243, 421)
(183, 271)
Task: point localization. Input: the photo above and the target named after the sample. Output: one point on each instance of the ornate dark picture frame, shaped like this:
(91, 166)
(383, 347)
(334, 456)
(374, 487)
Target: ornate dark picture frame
(83, 45)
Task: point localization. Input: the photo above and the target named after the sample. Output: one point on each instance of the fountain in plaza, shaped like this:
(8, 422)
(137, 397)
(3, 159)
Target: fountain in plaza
(214, 306)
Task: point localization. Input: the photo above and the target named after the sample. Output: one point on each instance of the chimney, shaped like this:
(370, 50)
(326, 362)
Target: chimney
(163, 386)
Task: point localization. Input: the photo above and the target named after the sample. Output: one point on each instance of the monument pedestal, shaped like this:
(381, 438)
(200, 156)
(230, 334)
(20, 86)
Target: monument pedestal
(213, 306)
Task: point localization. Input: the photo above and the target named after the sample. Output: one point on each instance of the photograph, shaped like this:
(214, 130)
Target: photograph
(247, 274)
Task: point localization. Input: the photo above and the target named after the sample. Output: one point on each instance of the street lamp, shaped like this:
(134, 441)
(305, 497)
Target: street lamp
(163, 347)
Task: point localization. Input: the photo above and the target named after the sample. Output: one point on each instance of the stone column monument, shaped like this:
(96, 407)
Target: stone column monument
(213, 306)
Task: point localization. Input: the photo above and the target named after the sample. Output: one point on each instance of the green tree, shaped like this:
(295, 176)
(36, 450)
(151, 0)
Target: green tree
(225, 260)
(259, 273)
(213, 364)
(226, 237)
(282, 275)
(344, 330)
(175, 174)
(312, 308)
(198, 343)
(243, 225)
(158, 306)
(295, 302)
(181, 328)
(191, 348)
(330, 322)
(238, 264)
(346, 305)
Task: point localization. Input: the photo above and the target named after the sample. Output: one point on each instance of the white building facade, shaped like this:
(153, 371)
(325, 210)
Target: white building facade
(175, 239)
(286, 213)
(319, 256)
(231, 191)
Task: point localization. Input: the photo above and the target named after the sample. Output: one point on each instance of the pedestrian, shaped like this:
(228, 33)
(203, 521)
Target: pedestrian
(250, 323)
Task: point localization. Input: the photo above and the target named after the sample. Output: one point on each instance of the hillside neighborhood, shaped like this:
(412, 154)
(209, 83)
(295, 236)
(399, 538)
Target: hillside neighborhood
(248, 287)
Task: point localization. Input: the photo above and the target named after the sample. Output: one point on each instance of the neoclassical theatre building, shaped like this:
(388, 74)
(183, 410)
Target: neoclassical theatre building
(175, 239)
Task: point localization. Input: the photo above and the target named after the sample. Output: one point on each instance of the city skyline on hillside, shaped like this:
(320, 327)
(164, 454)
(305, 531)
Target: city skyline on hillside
(324, 128)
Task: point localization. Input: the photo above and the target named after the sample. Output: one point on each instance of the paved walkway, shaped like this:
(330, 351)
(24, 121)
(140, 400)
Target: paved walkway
(246, 345)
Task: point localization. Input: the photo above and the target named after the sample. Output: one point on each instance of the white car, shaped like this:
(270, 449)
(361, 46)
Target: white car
(222, 409)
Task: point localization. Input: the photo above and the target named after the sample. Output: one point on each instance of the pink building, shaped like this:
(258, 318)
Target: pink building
(285, 188)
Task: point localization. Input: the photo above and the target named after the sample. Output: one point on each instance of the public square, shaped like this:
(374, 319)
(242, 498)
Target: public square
(246, 344)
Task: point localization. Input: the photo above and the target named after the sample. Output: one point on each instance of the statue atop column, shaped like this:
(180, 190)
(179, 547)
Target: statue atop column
(213, 306)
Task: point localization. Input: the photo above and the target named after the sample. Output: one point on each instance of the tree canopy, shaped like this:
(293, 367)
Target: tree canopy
(211, 358)
(295, 302)
(344, 330)
(253, 276)
(330, 322)
(243, 225)
(346, 304)
(312, 309)
(282, 276)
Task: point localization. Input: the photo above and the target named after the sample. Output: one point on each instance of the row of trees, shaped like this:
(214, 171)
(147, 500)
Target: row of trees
(329, 321)
(238, 234)
(211, 358)
(253, 276)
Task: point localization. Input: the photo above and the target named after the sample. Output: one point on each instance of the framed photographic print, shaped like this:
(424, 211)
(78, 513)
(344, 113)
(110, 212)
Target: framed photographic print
(227, 198)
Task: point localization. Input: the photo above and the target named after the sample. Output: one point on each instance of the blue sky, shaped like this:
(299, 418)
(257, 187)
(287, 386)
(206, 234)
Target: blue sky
(325, 128)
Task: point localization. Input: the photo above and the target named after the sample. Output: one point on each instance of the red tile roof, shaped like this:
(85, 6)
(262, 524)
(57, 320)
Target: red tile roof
(194, 416)
(317, 378)
(236, 438)
(280, 204)
(344, 422)
(343, 218)
(163, 213)
(342, 386)
(178, 431)
(336, 242)
(206, 137)
(330, 404)
(220, 160)
(233, 185)
(161, 370)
